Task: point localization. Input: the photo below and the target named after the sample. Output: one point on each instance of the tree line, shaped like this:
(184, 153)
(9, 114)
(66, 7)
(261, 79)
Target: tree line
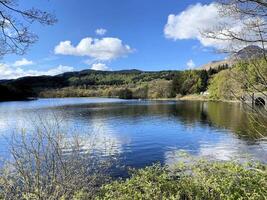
(124, 84)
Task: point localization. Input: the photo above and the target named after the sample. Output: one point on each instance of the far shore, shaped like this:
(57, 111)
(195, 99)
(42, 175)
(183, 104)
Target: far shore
(195, 97)
(191, 97)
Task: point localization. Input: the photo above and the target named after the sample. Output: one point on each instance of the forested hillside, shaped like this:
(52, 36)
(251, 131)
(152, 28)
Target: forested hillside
(123, 84)
(140, 84)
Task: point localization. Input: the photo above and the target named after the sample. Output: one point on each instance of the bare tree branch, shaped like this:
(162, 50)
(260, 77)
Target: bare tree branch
(15, 34)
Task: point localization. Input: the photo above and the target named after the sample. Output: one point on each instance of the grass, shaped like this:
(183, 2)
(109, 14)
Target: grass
(194, 97)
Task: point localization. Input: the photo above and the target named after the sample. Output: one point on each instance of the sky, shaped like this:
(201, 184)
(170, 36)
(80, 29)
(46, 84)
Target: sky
(148, 35)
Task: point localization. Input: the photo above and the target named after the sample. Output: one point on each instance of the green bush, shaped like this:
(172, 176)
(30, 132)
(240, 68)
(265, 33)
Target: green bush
(125, 94)
(190, 82)
(8, 93)
(141, 92)
(159, 89)
(198, 180)
(224, 86)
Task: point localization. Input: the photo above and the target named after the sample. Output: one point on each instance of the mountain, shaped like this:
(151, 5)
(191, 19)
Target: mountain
(251, 51)
(32, 86)
(91, 79)
(248, 52)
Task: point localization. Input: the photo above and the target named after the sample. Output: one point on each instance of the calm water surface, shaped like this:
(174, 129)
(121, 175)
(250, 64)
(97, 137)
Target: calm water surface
(143, 132)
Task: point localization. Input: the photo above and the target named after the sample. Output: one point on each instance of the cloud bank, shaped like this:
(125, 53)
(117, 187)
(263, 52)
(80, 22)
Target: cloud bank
(22, 62)
(10, 72)
(197, 18)
(99, 49)
(100, 67)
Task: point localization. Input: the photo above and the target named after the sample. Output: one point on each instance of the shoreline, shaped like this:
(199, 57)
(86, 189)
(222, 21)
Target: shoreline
(193, 97)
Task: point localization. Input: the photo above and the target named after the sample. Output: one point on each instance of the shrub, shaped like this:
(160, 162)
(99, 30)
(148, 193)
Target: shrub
(198, 180)
(224, 86)
(46, 163)
(141, 92)
(8, 93)
(125, 94)
(190, 82)
(159, 89)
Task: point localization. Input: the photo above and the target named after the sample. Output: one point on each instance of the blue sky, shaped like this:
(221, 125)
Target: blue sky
(135, 34)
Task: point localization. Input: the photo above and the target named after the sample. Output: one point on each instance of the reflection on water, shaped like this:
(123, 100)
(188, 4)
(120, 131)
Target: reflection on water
(142, 132)
(102, 139)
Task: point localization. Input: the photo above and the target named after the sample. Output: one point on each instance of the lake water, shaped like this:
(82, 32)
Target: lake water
(143, 132)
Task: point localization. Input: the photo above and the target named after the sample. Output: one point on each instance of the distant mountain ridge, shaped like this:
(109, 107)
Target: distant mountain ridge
(85, 83)
(33, 85)
(251, 51)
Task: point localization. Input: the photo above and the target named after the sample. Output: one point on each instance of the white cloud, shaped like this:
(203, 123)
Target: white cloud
(197, 18)
(89, 61)
(58, 70)
(9, 72)
(99, 49)
(22, 62)
(100, 31)
(100, 67)
(190, 64)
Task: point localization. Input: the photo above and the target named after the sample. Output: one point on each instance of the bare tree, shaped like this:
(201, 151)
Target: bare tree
(250, 17)
(250, 69)
(48, 164)
(15, 34)
(246, 7)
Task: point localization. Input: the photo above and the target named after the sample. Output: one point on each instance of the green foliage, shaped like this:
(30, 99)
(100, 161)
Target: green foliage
(125, 94)
(245, 77)
(116, 78)
(142, 85)
(224, 86)
(216, 70)
(197, 180)
(8, 93)
(252, 75)
(141, 92)
(153, 89)
(90, 83)
(190, 82)
(160, 89)
(204, 78)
